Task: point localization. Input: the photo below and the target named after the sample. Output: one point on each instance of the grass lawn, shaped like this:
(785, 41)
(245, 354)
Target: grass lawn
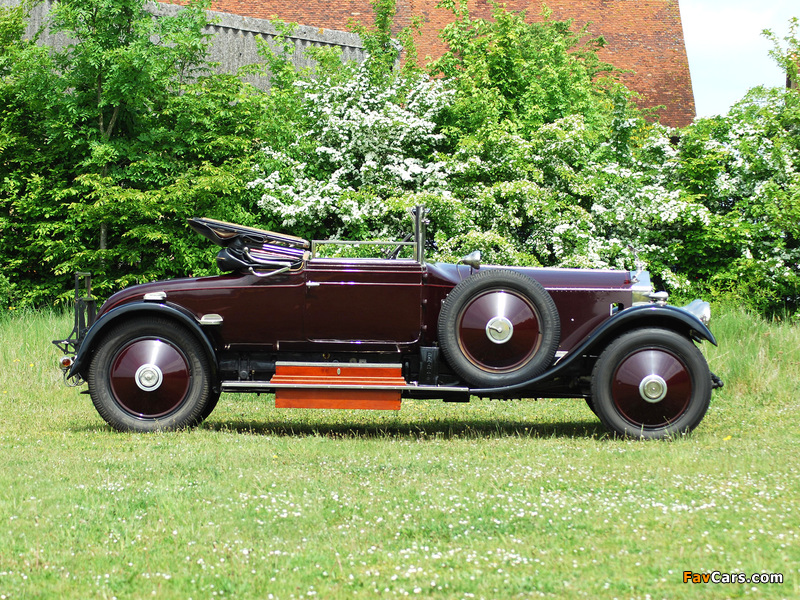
(483, 500)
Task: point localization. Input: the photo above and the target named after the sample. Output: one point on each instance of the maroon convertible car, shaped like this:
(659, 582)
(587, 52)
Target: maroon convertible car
(322, 332)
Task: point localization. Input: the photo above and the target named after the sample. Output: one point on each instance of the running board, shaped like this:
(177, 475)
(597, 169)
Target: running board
(337, 385)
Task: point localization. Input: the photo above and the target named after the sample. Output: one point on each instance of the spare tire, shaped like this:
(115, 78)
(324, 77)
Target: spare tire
(499, 327)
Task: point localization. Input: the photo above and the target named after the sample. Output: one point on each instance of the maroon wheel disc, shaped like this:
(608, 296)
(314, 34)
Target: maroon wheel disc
(499, 331)
(149, 377)
(651, 387)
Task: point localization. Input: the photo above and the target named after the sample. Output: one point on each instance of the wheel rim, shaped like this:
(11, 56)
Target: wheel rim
(499, 331)
(149, 378)
(651, 388)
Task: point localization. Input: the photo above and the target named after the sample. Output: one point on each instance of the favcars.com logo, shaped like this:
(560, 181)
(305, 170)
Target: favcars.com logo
(718, 577)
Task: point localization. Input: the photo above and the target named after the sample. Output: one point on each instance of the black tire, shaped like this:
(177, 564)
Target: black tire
(151, 375)
(210, 405)
(499, 327)
(651, 383)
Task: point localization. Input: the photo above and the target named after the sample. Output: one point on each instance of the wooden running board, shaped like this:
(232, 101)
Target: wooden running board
(338, 385)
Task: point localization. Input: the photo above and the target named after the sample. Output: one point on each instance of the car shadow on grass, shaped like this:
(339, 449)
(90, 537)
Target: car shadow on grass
(416, 431)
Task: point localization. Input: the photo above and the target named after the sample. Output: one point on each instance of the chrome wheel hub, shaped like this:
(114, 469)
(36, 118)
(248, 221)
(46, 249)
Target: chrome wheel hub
(653, 389)
(149, 377)
(499, 330)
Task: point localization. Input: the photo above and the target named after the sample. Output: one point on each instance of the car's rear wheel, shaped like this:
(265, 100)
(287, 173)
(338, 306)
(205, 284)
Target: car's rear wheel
(651, 383)
(151, 375)
(499, 327)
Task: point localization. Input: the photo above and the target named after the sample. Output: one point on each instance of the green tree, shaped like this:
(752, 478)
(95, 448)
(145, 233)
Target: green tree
(27, 162)
(510, 73)
(121, 66)
(106, 149)
(786, 52)
(123, 61)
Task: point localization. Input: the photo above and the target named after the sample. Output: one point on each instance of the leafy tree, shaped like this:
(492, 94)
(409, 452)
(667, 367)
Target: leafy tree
(129, 139)
(510, 73)
(744, 167)
(123, 61)
(26, 84)
(121, 66)
(787, 57)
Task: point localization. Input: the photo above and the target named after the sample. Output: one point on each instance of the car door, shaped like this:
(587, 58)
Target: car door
(357, 302)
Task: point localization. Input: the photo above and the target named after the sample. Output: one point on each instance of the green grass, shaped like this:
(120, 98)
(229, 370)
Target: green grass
(481, 500)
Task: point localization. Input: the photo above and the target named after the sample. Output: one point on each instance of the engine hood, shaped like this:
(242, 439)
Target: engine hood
(550, 278)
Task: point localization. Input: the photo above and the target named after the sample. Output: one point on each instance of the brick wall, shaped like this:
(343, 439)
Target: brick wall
(645, 36)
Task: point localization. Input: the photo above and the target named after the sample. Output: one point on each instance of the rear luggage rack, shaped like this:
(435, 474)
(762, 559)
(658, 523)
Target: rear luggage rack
(85, 315)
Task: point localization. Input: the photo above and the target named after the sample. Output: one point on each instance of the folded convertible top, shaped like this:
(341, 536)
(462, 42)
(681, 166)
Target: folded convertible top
(224, 234)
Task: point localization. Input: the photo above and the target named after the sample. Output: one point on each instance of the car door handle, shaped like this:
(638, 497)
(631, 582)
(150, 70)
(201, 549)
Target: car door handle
(312, 283)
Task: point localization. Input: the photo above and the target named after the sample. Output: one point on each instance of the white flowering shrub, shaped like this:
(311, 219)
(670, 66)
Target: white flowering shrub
(560, 199)
(712, 209)
(745, 167)
(366, 141)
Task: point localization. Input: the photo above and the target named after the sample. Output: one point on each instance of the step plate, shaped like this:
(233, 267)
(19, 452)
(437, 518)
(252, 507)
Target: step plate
(352, 385)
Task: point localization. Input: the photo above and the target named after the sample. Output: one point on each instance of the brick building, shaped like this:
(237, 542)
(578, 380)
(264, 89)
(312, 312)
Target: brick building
(643, 36)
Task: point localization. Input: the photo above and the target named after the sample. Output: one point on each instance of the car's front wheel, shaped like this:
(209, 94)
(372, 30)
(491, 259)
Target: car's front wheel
(150, 375)
(651, 383)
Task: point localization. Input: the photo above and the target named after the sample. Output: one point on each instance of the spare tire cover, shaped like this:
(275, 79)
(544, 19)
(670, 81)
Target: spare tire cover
(499, 327)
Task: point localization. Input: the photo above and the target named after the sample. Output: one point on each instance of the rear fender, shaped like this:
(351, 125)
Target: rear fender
(133, 310)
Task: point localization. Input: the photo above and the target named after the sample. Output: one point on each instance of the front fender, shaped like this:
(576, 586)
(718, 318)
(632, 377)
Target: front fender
(95, 333)
(653, 315)
(650, 315)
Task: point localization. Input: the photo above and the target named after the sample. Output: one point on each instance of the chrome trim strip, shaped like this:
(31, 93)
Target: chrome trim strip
(238, 386)
(261, 274)
(315, 244)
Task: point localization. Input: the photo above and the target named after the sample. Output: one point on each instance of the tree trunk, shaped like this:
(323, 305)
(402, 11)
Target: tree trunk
(103, 235)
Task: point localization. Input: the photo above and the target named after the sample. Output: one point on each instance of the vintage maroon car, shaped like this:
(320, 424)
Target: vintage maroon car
(323, 332)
